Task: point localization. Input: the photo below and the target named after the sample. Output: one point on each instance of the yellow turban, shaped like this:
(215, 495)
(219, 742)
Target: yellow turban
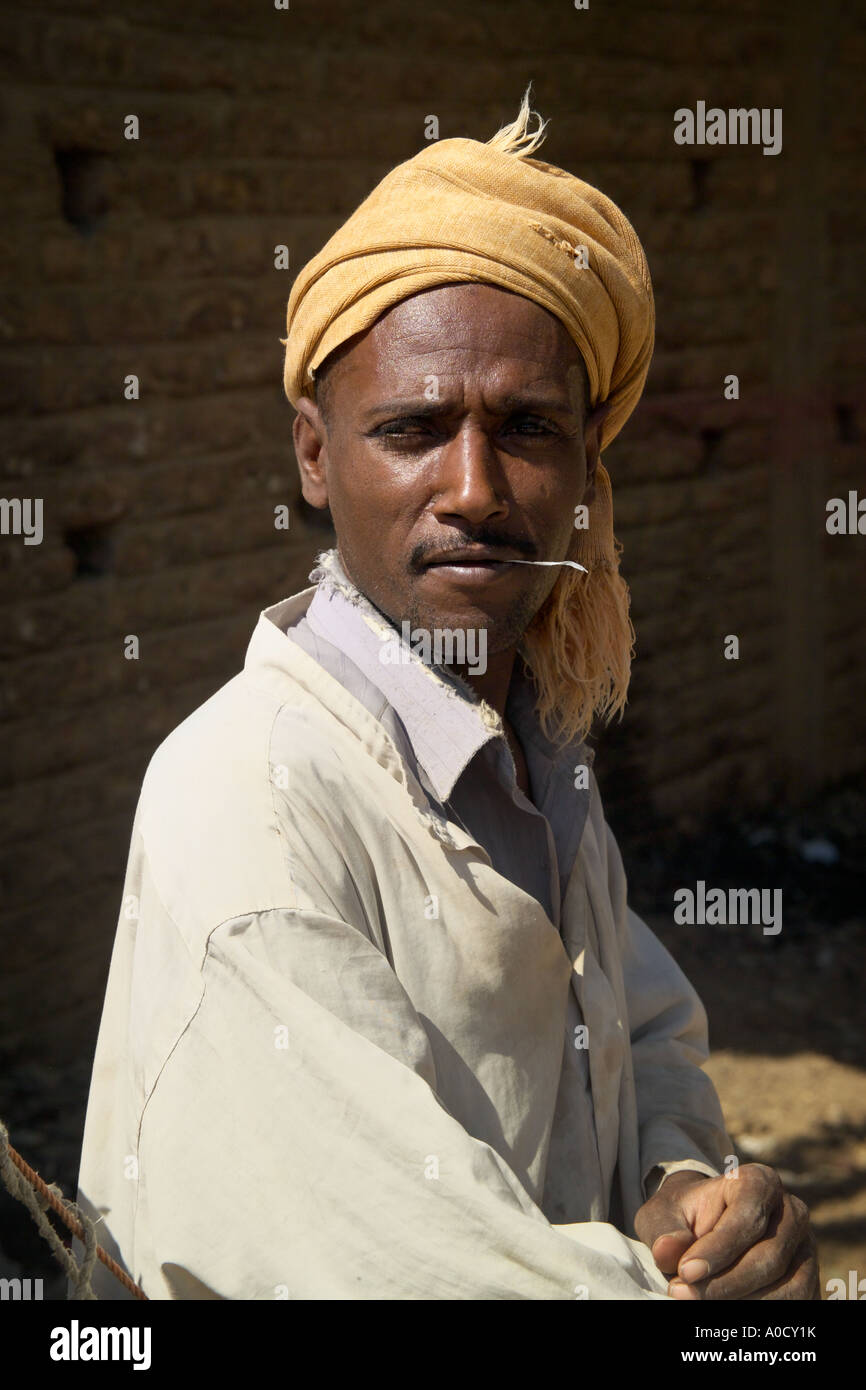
(466, 210)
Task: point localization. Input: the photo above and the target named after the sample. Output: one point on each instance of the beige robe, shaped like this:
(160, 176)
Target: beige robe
(331, 1057)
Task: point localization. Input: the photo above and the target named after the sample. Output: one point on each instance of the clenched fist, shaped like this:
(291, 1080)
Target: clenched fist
(733, 1237)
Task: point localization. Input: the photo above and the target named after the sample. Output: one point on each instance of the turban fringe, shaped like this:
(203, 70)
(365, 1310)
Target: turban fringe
(462, 210)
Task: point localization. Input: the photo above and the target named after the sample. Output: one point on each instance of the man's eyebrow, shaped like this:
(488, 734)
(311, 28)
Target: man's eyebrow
(515, 400)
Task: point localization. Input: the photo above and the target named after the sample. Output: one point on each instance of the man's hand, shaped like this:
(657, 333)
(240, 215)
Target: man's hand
(734, 1237)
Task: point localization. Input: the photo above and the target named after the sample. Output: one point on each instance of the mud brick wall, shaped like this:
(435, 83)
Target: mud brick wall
(154, 257)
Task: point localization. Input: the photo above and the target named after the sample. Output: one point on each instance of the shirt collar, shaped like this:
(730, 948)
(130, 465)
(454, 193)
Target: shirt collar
(444, 718)
(445, 721)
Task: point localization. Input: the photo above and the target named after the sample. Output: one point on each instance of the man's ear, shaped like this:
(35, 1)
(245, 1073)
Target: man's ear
(592, 446)
(311, 451)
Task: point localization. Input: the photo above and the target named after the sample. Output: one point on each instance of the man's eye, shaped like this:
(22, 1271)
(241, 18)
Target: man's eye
(540, 426)
(395, 429)
(414, 426)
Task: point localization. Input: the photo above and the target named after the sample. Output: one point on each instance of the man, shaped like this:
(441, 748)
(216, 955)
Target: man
(380, 1023)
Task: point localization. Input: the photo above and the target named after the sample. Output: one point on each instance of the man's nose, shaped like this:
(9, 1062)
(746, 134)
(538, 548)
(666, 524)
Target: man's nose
(472, 481)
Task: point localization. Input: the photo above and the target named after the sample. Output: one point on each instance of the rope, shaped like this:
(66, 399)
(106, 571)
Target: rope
(24, 1184)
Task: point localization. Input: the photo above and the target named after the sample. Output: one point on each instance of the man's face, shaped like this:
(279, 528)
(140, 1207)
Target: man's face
(457, 420)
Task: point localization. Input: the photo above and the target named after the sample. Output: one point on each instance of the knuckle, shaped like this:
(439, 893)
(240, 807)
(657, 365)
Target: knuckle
(755, 1217)
(760, 1177)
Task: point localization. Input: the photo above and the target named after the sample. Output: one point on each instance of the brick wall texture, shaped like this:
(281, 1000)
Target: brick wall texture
(261, 126)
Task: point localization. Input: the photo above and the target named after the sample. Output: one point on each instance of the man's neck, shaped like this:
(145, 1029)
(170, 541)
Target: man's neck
(493, 685)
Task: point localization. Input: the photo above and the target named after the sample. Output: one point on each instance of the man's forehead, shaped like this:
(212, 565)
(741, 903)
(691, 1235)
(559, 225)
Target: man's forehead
(504, 338)
(514, 384)
(449, 315)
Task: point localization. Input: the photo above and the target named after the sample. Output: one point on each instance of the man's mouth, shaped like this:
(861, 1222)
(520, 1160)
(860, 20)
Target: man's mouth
(467, 564)
(477, 565)
(476, 557)
(483, 567)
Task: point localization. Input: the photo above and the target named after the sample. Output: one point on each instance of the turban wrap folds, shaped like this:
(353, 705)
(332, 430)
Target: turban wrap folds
(463, 210)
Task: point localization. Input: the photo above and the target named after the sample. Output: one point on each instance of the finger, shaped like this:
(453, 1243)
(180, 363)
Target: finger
(801, 1281)
(673, 1210)
(768, 1262)
(753, 1199)
(668, 1249)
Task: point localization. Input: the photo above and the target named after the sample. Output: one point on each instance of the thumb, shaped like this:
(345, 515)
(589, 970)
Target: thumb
(666, 1222)
(662, 1226)
(669, 1247)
